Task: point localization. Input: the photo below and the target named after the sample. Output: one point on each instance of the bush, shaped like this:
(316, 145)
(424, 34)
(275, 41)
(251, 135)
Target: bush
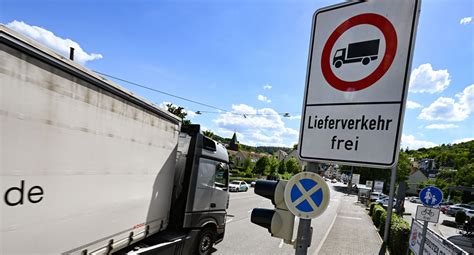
(383, 218)
(399, 236)
(460, 217)
(371, 208)
(378, 210)
(399, 229)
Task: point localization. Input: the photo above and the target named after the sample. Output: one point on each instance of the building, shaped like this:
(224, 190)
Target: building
(233, 144)
(280, 155)
(414, 181)
(241, 156)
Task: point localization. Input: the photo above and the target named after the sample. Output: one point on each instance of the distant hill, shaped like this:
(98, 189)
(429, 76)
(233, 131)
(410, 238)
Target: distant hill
(259, 149)
(447, 155)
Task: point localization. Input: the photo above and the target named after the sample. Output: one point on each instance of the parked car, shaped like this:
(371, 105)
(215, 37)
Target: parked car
(458, 207)
(238, 186)
(376, 196)
(444, 206)
(415, 200)
(333, 181)
(469, 214)
(384, 201)
(252, 184)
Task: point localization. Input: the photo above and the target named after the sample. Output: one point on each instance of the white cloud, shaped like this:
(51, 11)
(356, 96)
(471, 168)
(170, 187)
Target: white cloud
(465, 20)
(267, 86)
(413, 105)
(257, 126)
(448, 109)
(426, 80)
(463, 140)
(190, 114)
(412, 143)
(264, 99)
(297, 117)
(53, 42)
(441, 126)
(466, 98)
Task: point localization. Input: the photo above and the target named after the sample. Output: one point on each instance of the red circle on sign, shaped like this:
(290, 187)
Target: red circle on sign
(390, 35)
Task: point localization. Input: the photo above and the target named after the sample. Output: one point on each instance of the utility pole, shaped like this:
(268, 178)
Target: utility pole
(305, 231)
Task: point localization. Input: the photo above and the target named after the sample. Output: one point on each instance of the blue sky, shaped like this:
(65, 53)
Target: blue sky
(249, 58)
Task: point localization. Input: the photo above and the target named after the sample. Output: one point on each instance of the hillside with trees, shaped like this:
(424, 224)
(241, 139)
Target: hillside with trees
(453, 156)
(455, 164)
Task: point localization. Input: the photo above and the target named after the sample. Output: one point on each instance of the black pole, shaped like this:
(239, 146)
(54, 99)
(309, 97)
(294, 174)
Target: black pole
(71, 53)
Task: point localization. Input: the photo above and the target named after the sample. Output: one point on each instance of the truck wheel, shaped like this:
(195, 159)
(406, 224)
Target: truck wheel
(205, 242)
(338, 64)
(365, 61)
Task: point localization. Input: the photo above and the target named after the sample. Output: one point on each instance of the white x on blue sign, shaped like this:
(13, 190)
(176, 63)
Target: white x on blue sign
(307, 195)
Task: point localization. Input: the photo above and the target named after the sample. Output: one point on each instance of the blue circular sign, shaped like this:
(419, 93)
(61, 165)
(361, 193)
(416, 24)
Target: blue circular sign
(307, 195)
(431, 196)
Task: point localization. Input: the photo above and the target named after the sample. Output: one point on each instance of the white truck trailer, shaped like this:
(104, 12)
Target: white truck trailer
(87, 167)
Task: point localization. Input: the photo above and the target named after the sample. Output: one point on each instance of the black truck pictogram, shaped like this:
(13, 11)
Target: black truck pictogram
(357, 52)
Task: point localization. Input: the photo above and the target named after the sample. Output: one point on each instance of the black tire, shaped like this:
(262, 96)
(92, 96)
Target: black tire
(204, 242)
(338, 64)
(365, 61)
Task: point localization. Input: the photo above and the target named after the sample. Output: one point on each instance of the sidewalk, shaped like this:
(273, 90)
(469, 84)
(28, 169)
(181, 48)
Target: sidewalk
(353, 231)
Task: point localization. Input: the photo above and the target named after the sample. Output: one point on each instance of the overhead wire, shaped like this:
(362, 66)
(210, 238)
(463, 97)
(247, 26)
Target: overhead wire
(220, 110)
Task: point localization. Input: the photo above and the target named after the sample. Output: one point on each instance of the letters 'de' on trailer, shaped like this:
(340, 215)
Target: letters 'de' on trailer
(357, 81)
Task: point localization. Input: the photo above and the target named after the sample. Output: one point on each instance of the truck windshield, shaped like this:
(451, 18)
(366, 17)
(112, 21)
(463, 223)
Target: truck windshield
(338, 53)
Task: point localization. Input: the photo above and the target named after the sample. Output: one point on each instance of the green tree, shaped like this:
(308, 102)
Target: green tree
(292, 166)
(403, 167)
(262, 166)
(208, 133)
(273, 165)
(178, 111)
(465, 176)
(281, 167)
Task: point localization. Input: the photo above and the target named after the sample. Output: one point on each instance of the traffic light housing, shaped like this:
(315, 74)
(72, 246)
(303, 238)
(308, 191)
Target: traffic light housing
(279, 221)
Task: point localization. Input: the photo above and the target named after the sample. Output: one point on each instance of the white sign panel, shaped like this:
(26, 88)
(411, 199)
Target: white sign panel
(369, 184)
(355, 179)
(427, 214)
(378, 186)
(357, 81)
(434, 244)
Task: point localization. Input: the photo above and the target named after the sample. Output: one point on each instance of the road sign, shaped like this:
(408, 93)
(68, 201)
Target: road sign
(427, 214)
(378, 186)
(357, 82)
(431, 196)
(307, 195)
(355, 179)
(438, 244)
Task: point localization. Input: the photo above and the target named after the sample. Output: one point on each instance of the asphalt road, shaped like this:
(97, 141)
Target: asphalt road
(244, 237)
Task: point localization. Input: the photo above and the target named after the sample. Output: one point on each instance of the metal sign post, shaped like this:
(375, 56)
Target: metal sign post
(390, 203)
(306, 196)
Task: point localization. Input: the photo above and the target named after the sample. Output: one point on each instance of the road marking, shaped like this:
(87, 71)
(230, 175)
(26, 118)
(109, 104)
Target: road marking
(350, 218)
(325, 236)
(227, 221)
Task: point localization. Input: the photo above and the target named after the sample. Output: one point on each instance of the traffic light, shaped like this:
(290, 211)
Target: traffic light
(279, 221)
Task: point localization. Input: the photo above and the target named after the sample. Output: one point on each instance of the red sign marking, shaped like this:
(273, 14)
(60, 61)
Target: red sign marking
(390, 35)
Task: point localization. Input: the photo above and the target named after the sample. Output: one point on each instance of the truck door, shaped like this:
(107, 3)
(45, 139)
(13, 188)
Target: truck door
(204, 185)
